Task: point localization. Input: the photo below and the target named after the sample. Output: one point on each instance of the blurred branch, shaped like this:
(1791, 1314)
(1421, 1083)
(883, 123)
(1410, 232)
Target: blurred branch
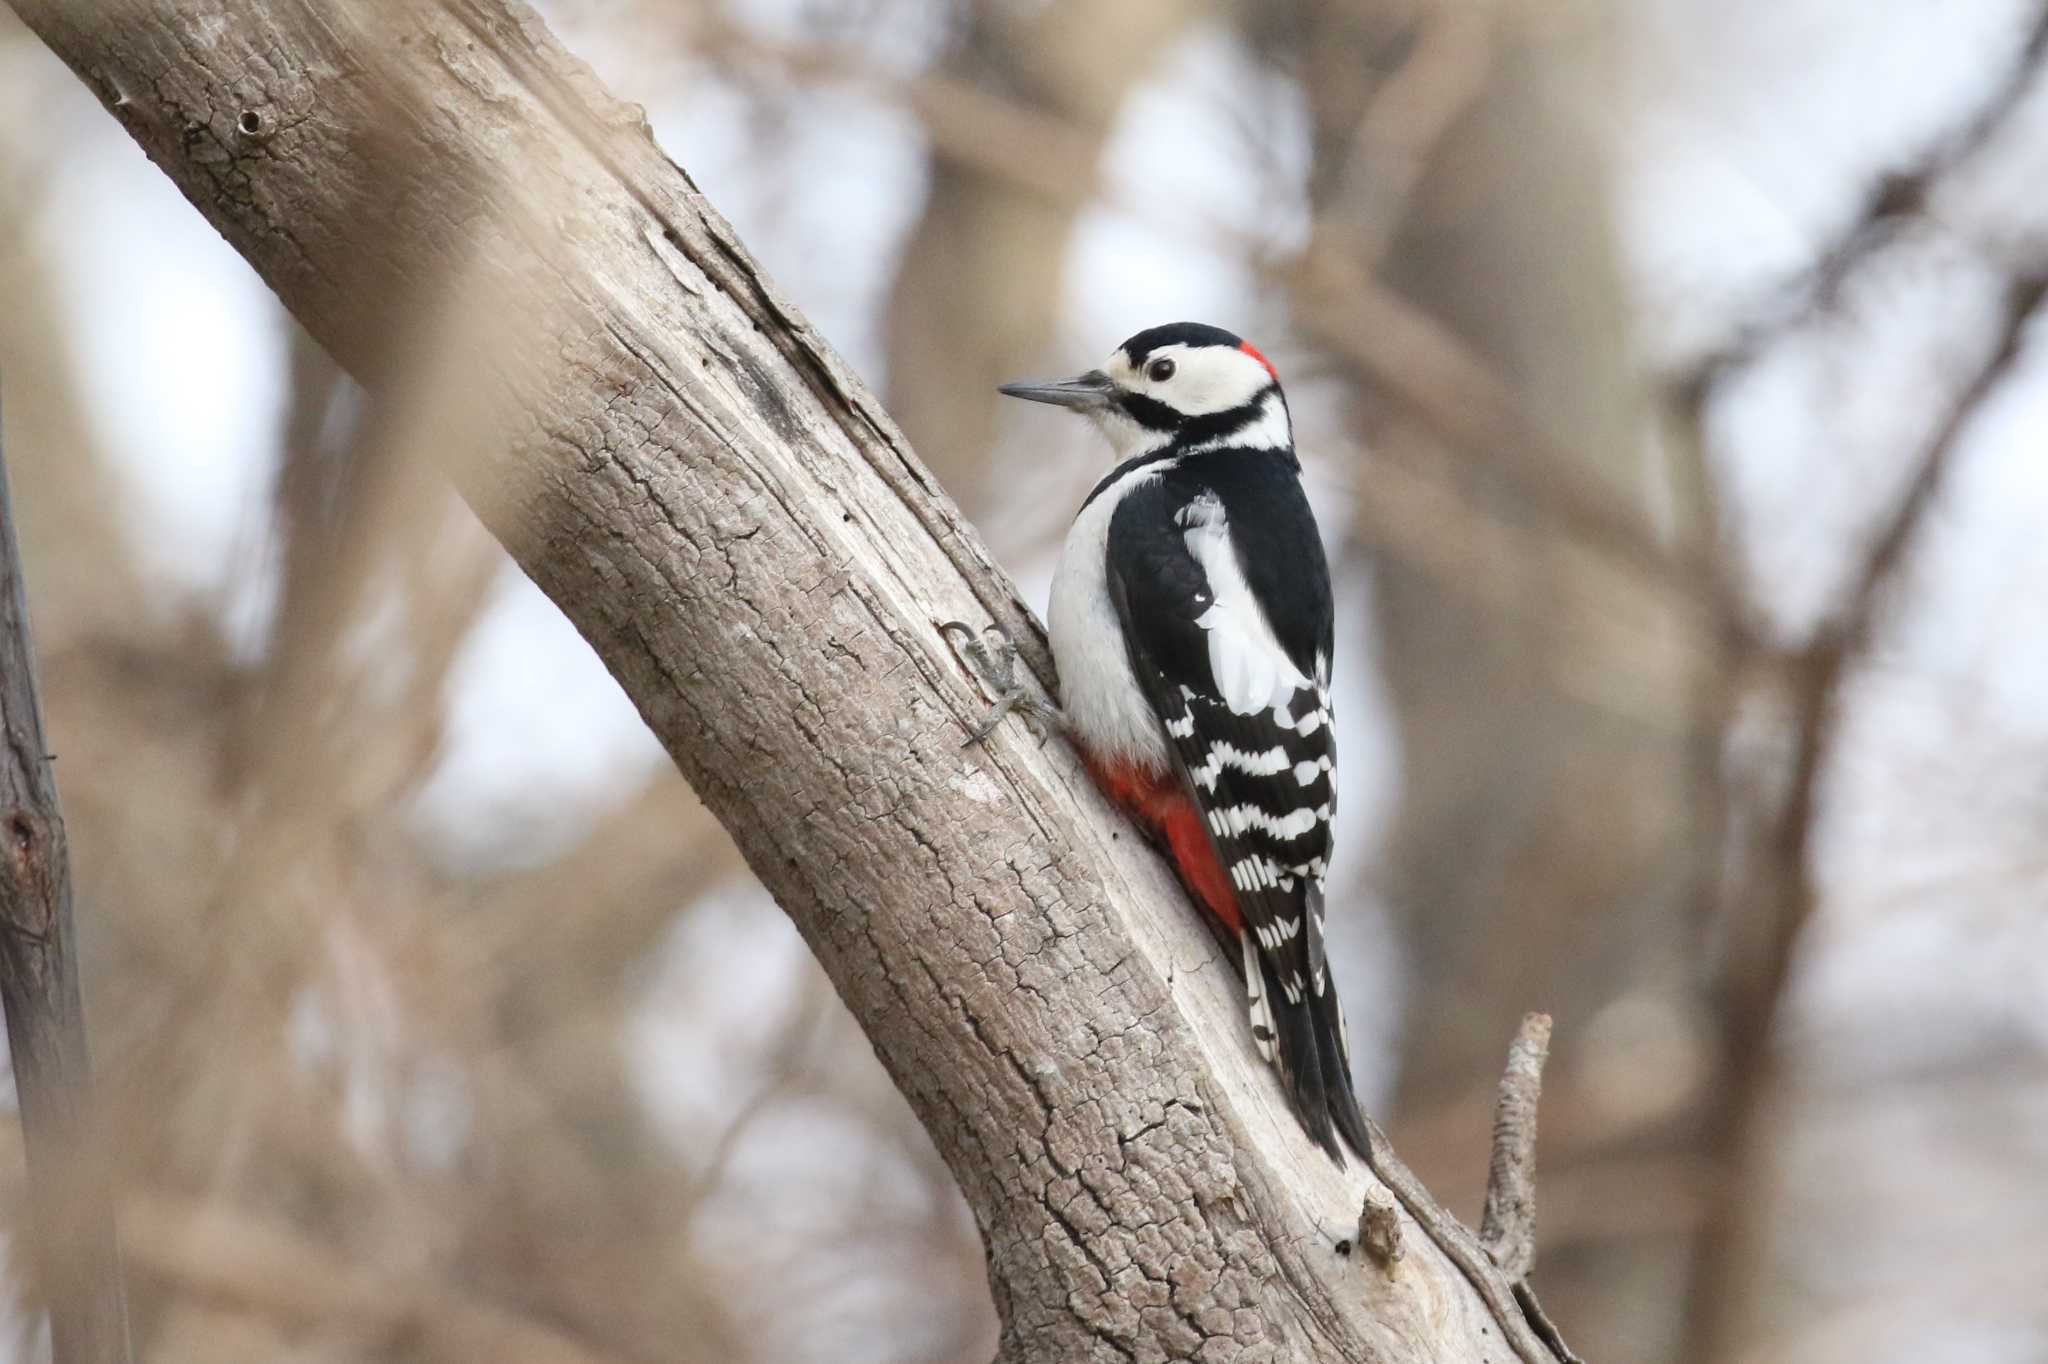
(269, 1268)
(1424, 364)
(1051, 153)
(1771, 911)
(71, 1226)
(374, 541)
(1540, 618)
(1417, 357)
(659, 851)
(694, 477)
(1037, 150)
(1894, 199)
(1403, 123)
(1764, 906)
(977, 292)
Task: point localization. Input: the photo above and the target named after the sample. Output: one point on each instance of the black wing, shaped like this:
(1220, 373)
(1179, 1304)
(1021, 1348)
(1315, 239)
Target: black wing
(1186, 579)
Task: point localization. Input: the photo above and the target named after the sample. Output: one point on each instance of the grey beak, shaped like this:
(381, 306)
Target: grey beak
(1082, 392)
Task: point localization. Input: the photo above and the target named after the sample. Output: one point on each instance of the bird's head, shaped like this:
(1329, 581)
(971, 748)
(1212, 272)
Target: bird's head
(1182, 385)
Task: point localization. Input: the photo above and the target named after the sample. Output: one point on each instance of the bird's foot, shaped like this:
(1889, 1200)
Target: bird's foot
(992, 656)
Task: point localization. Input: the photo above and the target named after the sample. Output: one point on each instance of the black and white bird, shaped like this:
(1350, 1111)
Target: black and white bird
(1191, 622)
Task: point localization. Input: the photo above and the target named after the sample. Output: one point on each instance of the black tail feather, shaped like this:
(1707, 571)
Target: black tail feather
(1314, 1065)
(1335, 1052)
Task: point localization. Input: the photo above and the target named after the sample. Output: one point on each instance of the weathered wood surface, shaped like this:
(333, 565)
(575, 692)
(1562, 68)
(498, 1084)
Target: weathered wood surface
(694, 477)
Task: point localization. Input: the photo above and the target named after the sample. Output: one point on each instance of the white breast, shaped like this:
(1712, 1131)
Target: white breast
(1100, 694)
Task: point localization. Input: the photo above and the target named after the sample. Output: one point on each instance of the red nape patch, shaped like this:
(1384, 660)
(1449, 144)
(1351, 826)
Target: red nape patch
(1249, 349)
(1155, 799)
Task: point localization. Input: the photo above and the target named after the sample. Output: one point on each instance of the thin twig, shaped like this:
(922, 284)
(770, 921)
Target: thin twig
(1507, 1227)
(1461, 1248)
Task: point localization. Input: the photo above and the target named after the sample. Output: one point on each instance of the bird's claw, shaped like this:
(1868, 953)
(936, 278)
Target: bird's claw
(995, 664)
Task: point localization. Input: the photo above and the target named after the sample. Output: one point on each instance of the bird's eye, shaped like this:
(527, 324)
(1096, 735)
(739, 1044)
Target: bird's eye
(1160, 370)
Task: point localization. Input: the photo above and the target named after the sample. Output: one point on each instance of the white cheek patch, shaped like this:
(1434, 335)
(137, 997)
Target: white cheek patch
(1216, 379)
(1205, 379)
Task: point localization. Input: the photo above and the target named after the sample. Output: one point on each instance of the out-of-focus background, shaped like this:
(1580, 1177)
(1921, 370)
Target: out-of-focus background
(1670, 389)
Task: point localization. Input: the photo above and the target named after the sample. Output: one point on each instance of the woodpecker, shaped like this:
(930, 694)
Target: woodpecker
(1191, 622)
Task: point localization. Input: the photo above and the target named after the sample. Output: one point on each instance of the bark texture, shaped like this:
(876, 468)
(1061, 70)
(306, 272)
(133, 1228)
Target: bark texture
(695, 479)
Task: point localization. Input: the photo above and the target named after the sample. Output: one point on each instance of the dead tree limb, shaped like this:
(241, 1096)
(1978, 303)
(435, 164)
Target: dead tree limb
(71, 1221)
(699, 483)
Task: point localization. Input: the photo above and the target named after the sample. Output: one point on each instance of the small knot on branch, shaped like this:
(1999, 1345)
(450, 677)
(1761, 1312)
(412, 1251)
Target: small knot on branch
(1379, 1229)
(1507, 1228)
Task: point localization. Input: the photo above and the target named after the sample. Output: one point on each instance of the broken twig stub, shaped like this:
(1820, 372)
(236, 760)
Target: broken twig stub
(1507, 1227)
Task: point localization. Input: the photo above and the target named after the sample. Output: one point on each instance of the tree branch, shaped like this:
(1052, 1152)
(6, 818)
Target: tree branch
(695, 478)
(71, 1221)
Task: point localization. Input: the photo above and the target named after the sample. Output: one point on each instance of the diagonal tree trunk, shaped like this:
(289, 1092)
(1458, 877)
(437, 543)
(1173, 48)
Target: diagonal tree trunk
(695, 479)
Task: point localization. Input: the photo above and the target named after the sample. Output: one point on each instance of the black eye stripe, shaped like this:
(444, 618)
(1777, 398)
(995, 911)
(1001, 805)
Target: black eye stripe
(1155, 415)
(1149, 412)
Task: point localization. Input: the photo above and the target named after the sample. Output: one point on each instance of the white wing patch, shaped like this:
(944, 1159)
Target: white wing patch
(1252, 672)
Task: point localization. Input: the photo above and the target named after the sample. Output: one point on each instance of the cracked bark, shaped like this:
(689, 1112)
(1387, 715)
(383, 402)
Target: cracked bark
(693, 476)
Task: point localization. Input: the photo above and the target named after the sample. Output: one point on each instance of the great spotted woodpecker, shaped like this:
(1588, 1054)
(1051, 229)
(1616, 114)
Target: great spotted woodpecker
(1191, 622)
